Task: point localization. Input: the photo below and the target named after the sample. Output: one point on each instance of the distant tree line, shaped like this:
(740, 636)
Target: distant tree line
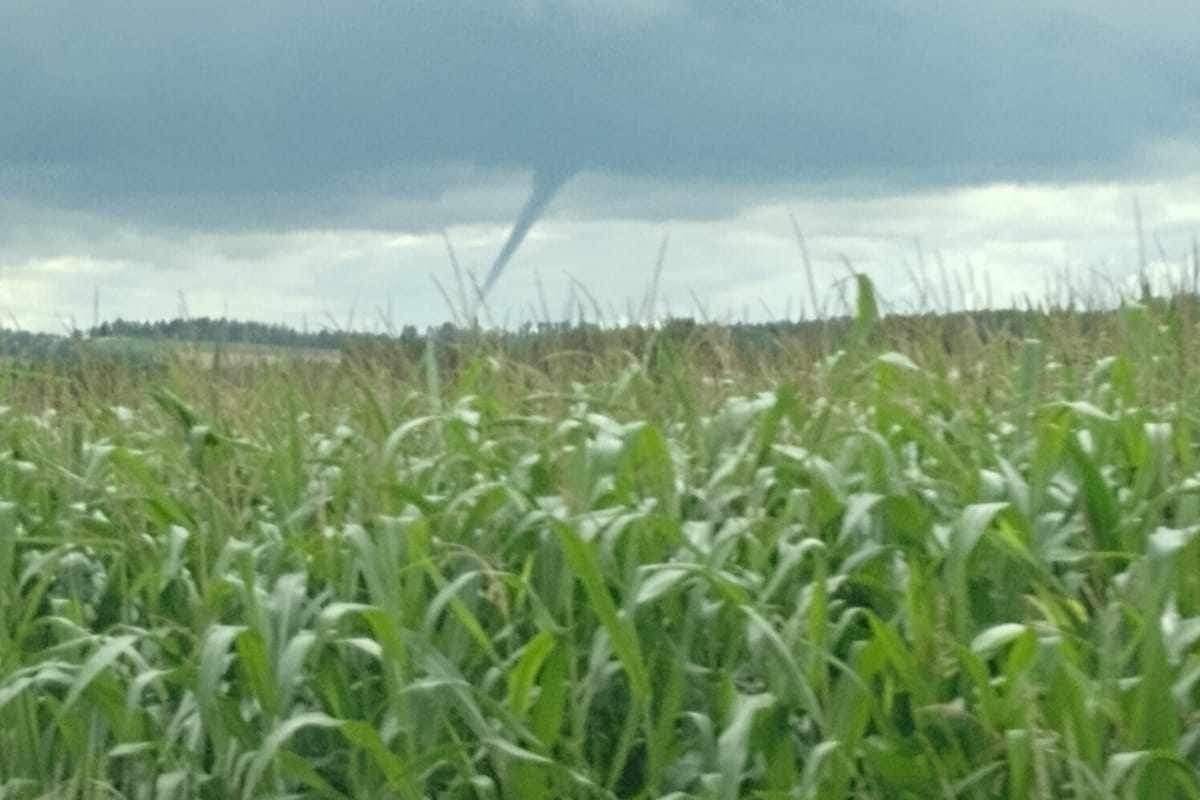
(533, 341)
(24, 345)
(221, 329)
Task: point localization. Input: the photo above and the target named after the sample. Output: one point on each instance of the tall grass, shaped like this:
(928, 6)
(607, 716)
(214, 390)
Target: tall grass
(931, 559)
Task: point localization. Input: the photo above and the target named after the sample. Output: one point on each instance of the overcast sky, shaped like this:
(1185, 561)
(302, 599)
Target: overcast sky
(293, 160)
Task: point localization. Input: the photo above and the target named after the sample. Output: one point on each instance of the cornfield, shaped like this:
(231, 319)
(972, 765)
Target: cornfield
(887, 569)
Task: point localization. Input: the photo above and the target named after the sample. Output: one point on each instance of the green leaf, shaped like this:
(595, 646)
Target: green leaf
(581, 557)
(524, 673)
(1099, 504)
(866, 315)
(104, 657)
(399, 772)
(986, 644)
(733, 746)
(1124, 766)
(275, 740)
(964, 537)
(255, 665)
(645, 467)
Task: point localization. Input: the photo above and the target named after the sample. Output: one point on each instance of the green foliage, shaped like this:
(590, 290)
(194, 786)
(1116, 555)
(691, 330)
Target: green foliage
(649, 568)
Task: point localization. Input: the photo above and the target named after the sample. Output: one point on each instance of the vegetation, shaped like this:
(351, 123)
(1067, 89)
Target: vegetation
(208, 329)
(888, 558)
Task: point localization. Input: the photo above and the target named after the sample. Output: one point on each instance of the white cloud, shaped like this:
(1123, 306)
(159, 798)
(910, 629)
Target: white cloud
(1018, 238)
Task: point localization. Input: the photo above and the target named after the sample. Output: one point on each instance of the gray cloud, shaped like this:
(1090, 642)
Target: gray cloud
(301, 113)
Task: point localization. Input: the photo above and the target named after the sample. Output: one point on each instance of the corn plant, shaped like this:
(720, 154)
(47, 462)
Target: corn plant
(889, 571)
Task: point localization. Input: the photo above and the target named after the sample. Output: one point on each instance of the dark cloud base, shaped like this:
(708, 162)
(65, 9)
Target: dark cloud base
(291, 113)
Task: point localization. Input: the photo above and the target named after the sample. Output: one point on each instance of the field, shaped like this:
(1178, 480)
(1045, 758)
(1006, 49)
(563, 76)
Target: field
(918, 558)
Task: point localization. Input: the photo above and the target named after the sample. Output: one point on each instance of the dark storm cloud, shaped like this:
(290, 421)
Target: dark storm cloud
(227, 114)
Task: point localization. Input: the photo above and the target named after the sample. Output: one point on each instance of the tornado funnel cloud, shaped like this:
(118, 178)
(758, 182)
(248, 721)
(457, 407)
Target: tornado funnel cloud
(546, 184)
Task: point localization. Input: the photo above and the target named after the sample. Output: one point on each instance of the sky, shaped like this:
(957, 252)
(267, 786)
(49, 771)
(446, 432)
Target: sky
(307, 162)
